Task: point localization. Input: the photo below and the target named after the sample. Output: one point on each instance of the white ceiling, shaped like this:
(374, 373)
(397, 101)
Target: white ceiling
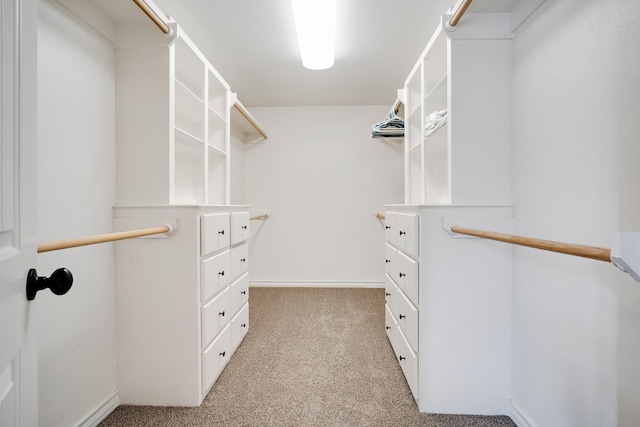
(252, 43)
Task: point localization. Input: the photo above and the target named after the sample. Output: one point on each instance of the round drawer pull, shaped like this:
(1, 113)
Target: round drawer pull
(402, 316)
(386, 227)
(402, 232)
(223, 353)
(221, 232)
(221, 273)
(243, 260)
(387, 294)
(244, 227)
(243, 292)
(402, 358)
(221, 314)
(402, 275)
(387, 327)
(244, 325)
(387, 261)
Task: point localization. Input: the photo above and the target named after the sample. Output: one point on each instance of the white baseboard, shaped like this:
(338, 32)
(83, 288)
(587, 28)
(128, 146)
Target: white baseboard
(102, 411)
(518, 417)
(313, 284)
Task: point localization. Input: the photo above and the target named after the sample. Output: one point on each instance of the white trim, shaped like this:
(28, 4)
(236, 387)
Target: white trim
(102, 411)
(314, 284)
(518, 417)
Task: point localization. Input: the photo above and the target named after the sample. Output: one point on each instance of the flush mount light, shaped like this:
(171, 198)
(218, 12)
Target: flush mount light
(316, 27)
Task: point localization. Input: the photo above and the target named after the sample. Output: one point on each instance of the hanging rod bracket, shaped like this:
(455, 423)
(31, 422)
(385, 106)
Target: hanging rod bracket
(625, 253)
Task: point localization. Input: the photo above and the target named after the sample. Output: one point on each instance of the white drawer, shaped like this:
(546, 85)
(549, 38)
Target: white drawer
(215, 315)
(408, 233)
(239, 227)
(407, 277)
(239, 260)
(215, 357)
(409, 363)
(390, 263)
(390, 293)
(215, 274)
(239, 293)
(391, 328)
(214, 232)
(239, 326)
(390, 227)
(407, 316)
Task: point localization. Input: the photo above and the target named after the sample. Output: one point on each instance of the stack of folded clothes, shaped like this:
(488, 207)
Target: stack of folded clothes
(435, 121)
(392, 127)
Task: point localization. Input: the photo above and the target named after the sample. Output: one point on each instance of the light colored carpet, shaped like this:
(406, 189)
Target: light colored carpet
(312, 357)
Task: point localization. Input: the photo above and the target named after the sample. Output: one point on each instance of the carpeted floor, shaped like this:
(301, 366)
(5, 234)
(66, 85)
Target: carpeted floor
(312, 357)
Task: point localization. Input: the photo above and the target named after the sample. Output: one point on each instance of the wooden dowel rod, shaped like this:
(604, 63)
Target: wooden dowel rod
(259, 217)
(396, 106)
(100, 238)
(247, 116)
(151, 14)
(380, 216)
(461, 10)
(592, 252)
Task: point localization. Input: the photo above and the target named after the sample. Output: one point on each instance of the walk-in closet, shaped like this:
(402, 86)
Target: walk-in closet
(433, 222)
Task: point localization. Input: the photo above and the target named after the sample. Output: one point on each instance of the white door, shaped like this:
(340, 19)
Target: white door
(18, 362)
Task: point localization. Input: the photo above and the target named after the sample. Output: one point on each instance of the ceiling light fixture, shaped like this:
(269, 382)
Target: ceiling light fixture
(316, 27)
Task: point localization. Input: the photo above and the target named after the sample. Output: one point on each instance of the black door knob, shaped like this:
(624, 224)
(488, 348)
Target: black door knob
(60, 282)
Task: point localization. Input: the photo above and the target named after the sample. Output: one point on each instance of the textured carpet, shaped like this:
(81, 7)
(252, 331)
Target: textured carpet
(312, 357)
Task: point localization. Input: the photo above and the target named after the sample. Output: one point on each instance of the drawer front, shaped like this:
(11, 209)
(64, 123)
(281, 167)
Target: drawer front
(408, 233)
(239, 260)
(239, 293)
(215, 315)
(407, 316)
(390, 262)
(239, 326)
(390, 293)
(390, 227)
(409, 363)
(215, 358)
(215, 274)
(391, 328)
(239, 227)
(214, 232)
(408, 270)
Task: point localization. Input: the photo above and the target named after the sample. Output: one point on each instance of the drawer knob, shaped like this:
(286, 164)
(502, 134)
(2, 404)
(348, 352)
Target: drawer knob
(223, 353)
(387, 261)
(402, 232)
(387, 327)
(243, 260)
(402, 316)
(221, 314)
(386, 227)
(244, 227)
(244, 325)
(402, 275)
(221, 273)
(221, 232)
(387, 294)
(402, 358)
(243, 292)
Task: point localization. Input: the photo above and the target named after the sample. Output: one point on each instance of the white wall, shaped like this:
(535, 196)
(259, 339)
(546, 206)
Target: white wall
(576, 170)
(322, 179)
(76, 189)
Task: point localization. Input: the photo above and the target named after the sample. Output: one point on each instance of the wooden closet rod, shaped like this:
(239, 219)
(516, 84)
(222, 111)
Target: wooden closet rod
(102, 238)
(458, 14)
(380, 216)
(592, 252)
(153, 16)
(396, 106)
(247, 116)
(260, 217)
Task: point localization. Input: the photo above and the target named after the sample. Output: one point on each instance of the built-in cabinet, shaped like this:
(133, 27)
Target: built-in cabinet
(182, 301)
(448, 298)
(448, 306)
